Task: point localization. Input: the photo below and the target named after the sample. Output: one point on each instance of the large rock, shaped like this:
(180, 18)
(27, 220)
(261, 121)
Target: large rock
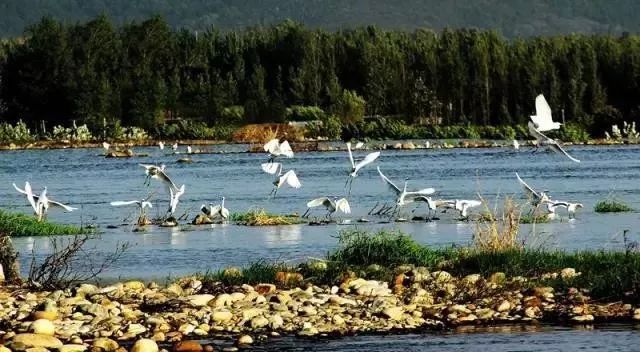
(43, 326)
(221, 301)
(72, 348)
(37, 340)
(199, 300)
(145, 345)
(221, 316)
(187, 346)
(259, 322)
(393, 313)
(245, 340)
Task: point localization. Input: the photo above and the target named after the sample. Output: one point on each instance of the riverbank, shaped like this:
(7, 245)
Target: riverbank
(203, 146)
(382, 283)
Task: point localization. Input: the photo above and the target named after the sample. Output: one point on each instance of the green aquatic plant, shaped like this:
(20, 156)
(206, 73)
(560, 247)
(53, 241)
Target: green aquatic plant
(259, 217)
(611, 206)
(17, 225)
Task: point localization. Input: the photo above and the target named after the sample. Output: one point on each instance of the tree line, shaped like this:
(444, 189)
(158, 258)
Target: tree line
(142, 73)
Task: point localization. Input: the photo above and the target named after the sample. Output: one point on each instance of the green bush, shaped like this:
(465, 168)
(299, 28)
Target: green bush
(304, 113)
(187, 129)
(328, 127)
(611, 206)
(19, 133)
(350, 107)
(574, 133)
(232, 115)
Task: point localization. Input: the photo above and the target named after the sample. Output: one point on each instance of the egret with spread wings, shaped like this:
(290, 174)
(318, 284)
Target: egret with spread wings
(355, 167)
(332, 205)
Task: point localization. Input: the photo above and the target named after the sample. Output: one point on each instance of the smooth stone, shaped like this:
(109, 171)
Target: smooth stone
(245, 340)
(199, 300)
(259, 322)
(145, 345)
(504, 306)
(43, 326)
(37, 340)
(583, 318)
(49, 315)
(498, 278)
(393, 313)
(105, 344)
(187, 346)
(221, 301)
(72, 348)
(221, 316)
(136, 329)
(276, 321)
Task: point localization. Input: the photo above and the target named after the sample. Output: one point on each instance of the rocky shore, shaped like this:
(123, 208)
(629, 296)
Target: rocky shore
(189, 314)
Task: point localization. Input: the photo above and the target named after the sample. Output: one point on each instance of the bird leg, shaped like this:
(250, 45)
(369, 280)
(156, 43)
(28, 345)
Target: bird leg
(372, 209)
(306, 213)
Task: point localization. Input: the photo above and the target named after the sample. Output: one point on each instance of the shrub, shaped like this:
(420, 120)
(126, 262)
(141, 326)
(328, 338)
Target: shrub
(259, 217)
(350, 107)
(574, 133)
(187, 129)
(76, 133)
(15, 134)
(611, 206)
(232, 115)
(304, 113)
(260, 133)
(329, 126)
(498, 230)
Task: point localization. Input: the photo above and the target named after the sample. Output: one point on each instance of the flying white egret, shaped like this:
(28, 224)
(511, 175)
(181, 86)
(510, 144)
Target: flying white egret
(432, 205)
(463, 206)
(141, 204)
(161, 145)
(215, 211)
(536, 198)
(276, 149)
(403, 196)
(175, 197)
(288, 177)
(542, 120)
(270, 167)
(371, 157)
(571, 207)
(39, 206)
(157, 172)
(545, 141)
(332, 205)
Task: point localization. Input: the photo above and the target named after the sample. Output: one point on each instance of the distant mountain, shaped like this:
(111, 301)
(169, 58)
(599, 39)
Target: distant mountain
(512, 18)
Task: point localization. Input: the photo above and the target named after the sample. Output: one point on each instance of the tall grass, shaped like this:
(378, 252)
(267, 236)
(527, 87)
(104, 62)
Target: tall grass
(498, 229)
(18, 225)
(611, 206)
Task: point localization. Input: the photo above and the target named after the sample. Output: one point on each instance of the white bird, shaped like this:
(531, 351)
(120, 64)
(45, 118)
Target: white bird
(331, 205)
(141, 204)
(516, 145)
(542, 120)
(289, 178)
(270, 167)
(276, 149)
(106, 146)
(548, 142)
(188, 149)
(371, 157)
(37, 204)
(404, 196)
(359, 145)
(161, 145)
(214, 211)
(463, 206)
(432, 205)
(175, 197)
(157, 172)
(174, 146)
(535, 197)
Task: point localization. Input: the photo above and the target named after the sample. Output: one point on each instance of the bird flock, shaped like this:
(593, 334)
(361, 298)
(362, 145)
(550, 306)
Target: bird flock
(280, 150)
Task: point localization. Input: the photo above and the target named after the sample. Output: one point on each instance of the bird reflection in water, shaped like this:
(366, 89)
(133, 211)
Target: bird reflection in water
(275, 236)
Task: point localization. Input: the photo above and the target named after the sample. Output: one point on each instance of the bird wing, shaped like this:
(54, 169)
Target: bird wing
(343, 205)
(559, 204)
(270, 168)
(215, 209)
(543, 113)
(422, 192)
(285, 149)
(371, 157)
(146, 204)
(162, 176)
(353, 164)
(224, 212)
(60, 205)
(120, 203)
(30, 196)
(555, 146)
(291, 179)
(535, 133)
(317, 202)
(18, 189)
(390, 184)
(471, 203)
(527, 188)
(272, 145)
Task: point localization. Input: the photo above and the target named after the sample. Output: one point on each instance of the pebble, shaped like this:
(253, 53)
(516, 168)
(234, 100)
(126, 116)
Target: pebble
(43, 326)
(187, 346)
(245, 340)
(145, 345)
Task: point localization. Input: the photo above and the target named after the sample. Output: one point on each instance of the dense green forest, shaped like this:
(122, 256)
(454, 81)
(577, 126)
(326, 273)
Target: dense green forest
(511, 18)
(144, 72)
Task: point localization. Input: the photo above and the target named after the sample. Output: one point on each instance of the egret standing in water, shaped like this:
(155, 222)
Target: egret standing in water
(371, 157)
(288, 177)
(331, 205)
(463, 206)
(161, 145)
(217, 211)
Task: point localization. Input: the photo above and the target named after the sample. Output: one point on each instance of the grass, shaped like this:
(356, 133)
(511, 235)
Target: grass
(611, 206)
(607, 275)
(18, 225)
(534, 219)
(259, 217)
(498, 230)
